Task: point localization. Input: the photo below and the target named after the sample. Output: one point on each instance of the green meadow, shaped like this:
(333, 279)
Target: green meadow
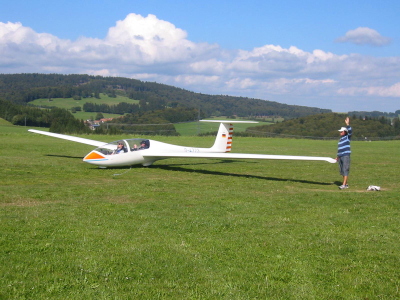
(68, 103)
(197, 228)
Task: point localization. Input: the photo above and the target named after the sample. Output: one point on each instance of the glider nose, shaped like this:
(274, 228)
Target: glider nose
(94, 157)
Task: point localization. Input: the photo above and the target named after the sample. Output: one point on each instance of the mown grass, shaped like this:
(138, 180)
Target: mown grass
(197, 229)
(4, 122)
(68, 103)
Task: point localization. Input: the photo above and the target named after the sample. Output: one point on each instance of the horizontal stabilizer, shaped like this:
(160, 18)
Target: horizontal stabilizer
(229, 122)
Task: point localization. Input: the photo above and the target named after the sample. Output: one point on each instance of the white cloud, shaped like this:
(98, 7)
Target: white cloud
(196, 79)
(150, 49)
(241, 83)
(364, 36)
(380, 91)
(148, 40)
(208, 66)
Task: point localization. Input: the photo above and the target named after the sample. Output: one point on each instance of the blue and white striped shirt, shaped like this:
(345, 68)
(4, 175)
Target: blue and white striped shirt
(344, 143)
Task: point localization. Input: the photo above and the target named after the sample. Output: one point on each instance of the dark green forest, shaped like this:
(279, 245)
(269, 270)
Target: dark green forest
(327, 125)
(59, 120)
(374, 114)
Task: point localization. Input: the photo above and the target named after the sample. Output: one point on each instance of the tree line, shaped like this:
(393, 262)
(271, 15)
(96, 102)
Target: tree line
(327, 125)
(57, 119)
(119, 108)
(374, 114)
(160, 122)
(62, 121)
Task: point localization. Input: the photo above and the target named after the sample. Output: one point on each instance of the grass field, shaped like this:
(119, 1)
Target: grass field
(197, 229)
(68, 103)
(4, 122)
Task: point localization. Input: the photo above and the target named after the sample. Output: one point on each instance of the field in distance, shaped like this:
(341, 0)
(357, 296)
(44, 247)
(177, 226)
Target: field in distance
(68, 103)
(190, 128)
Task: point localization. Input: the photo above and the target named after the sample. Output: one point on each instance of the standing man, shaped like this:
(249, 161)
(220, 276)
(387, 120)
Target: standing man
(343, 155)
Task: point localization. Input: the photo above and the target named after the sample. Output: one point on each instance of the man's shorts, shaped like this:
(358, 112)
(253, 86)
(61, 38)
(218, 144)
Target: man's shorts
(344, 165)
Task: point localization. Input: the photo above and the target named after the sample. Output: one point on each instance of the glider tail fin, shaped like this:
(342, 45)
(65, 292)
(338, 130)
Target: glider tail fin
(223, 140)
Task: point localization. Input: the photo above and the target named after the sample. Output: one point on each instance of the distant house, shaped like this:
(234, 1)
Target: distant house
(93, 124)
(105, 120)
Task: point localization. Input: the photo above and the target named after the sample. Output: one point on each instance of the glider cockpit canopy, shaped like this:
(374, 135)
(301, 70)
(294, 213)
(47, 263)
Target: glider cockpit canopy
(129, 145)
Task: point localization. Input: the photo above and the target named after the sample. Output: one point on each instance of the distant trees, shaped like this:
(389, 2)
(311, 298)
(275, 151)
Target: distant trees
(153, 122)
(75, 109)
(120, 108)
(374, 114)
(24, 115)
(171, 115)
(326, 125)
(99, 116)
(62, 121)
(59, 120)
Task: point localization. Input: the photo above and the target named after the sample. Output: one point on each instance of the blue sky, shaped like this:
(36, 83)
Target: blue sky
(340, 55)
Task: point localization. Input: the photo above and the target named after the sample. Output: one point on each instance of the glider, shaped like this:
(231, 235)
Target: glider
(128, 152)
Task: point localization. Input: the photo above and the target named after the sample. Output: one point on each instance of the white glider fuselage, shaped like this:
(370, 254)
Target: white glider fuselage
(145, 151)
(104, 156)
(155, 150)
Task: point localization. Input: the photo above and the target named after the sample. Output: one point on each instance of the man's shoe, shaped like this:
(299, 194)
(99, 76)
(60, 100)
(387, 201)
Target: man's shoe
(344, 186)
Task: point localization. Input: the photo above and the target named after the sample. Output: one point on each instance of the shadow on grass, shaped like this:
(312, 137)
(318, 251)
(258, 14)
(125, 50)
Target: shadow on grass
(65, 156)
(179, 168)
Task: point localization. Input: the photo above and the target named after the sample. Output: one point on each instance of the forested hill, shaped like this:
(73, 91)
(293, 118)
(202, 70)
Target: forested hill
(23, 88)
(327, 125)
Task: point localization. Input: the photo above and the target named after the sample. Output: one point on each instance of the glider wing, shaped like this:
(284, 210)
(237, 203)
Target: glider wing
(236, 156)
(69, 138)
